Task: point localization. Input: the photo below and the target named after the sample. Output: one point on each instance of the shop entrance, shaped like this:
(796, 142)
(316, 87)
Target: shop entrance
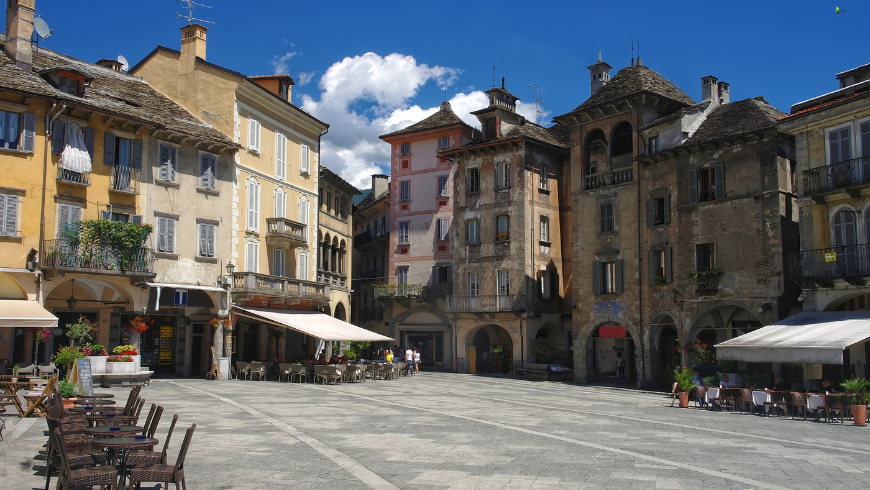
(431, 345)
(158, 343)
(493, 350)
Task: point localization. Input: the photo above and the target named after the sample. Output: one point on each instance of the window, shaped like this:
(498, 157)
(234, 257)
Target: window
(303, 211)
(504, 282)
(303, 159)
(652, 144)
(283, 90)
(473, 226)
(489, 129)
(443, 142)
(544, 180)
(122, 152)
(253, 205)
(502, 175)
(302, 269)
(343, 207)
(474, 284)
(207, 233)
(442, 273)
(278, 264)
(280, 203)
(404, 232)
(502, 225)
(207, 171)
(8, 215)
(254, 135)
(606, 217)
(405, 190)
(659, 263)
(442, 186)
(18, 131)
(166, 234)
(705, 260)
(402, 276)
(280, 156)
(328, 202)
(840, 144)
(442, 230)
(472, 177)
(121, 217)
(545, 284)
(545, 229)
(168, 164)
(607, 277)
(707, 184)
(405, 149)
(67, 214)
(658, 210)
(63, 135)
(335, 209)
(252, 256)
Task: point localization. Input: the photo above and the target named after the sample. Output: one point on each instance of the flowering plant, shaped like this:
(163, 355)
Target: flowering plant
(502, 236)
(119, 359)
(94, 350)
(125, 350)
(140, 324)
(216, 322)
(41, 334)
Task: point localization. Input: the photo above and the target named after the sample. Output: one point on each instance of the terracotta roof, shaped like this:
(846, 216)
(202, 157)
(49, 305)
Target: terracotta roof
(556, 135)
(634, 80)
(444, 117)
(825, 104)
(110, 92)
(735, 118)
(334, 178)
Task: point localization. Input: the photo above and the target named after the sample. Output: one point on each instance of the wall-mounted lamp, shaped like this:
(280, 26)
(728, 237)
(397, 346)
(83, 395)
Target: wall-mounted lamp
(225, 281)
(72, 301)
(801, 298)
(764, 307)
(673, 294)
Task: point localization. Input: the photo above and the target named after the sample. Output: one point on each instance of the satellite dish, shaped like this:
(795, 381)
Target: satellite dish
(123, 61)
(41, 27)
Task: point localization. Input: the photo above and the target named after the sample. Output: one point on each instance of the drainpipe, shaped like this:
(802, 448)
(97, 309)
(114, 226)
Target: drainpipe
(641, 212)
(48, 122)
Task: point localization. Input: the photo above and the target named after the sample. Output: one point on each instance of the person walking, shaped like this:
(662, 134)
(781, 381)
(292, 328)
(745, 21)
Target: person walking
(417, 360)
(620, 366)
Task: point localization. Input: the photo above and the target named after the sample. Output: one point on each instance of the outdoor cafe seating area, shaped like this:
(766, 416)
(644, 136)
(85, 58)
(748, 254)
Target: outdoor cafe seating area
(312, 372)
(830, 407)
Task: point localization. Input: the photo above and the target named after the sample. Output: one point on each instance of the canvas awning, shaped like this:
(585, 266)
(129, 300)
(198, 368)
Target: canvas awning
(23, 313)
(808, 337)
(313, 323)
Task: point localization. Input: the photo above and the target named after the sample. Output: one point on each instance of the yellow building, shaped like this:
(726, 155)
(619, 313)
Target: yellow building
(274, 216)
(334, 240)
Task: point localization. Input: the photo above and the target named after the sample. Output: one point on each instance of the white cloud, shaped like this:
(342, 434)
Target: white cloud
(304, 77)
(281, 62)
(370, 95)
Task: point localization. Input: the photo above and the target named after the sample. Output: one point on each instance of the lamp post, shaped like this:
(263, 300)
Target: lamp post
(228, 283)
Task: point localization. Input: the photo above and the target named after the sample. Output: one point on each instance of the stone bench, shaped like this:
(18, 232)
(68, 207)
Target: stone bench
(107, 380)
(533, 374)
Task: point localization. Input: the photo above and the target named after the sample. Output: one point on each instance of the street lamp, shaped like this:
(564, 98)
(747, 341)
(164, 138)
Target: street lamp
(674, 293)
(72, 301)
(225, 281)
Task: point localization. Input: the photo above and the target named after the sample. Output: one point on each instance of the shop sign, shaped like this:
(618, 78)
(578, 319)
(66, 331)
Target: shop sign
(610, 308)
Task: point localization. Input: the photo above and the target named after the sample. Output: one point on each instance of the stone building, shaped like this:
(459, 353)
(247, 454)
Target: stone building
(371, 220)
(683, 213)
(511, 254)
(334, 240)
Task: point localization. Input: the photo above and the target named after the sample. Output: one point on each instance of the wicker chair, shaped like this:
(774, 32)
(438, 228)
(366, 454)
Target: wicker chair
(284, 371)
(150, 456)
(164, 472)
(799, 400)
(69, 477)
(79, 449)
(777, 400)
(149, 429)
(832, 404)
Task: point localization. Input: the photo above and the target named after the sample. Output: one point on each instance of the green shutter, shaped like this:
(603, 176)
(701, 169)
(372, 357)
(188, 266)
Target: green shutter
(596, 278)
(109, 150)
(618, 273)
(669, 268)
(89, 141)
(650, 204)
(651, 266)
(667, 216)
(693, 186)
(58, 131)
(719, 171)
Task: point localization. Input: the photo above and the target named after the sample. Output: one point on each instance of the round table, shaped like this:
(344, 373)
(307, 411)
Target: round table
(93, 401)
(117, 447)
(102, 420)
(106, 431)
(96, 395)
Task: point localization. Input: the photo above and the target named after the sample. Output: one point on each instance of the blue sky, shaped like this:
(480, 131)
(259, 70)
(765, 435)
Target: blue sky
(368, 68)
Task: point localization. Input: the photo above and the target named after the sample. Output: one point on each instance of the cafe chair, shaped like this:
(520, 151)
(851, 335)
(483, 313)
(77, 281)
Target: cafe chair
(777, 400)
(242, 370)
(299, 371)
(284, 371)
(257, 370)
(150, 456)
(88, 476)
(799, 400)
(163, 472)
(700, 396)
(150, 429)
(372, 372)
(46, 370)
(79, 450)
(320, 373)
(24, 371)
(333, 374)
(36, 401)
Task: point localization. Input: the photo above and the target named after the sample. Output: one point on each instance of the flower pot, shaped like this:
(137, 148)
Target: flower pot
(684, 399)
(859, 413)
(120, 368)
(98, 364)
(68, 403)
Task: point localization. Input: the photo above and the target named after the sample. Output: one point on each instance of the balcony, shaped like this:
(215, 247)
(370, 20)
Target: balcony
(248, 285)
(284, 233)
(830, 263)
(379, 236)
(125, 180)
(837, 176)
(388, 291)
(369, 274)
(483, 304)
(707, 281)
(334, 223)
(371, 314)
(73, 178)
(608, 178)
(332, 278)
(65, 255)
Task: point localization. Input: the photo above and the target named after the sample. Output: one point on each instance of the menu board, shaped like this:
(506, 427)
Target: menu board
(167, 339)
(86, 381)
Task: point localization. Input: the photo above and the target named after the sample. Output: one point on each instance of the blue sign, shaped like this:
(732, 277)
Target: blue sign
(180, 297)
(611, 308)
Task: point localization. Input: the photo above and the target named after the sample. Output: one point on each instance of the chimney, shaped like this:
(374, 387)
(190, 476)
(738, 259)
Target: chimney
(111, 64)
(600, 74)
(193, 42)
(709, 89)
(380, 184)
(19, 30)
(724, 96)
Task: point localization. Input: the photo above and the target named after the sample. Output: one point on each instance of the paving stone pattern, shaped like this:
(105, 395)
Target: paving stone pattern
(451, 431)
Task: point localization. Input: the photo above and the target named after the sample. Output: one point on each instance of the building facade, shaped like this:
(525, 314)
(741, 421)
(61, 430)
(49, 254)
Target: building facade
(335, 240)
(371, 252)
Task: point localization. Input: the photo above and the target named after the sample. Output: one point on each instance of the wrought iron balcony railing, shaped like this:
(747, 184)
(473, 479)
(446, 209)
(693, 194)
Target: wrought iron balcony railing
(608, 178)
(65, 254)
(489, 303)
(74, 178)
(125, 179)
(370, 236)
(837, 176)
(828, 263)
(707, 281)
(413, 291)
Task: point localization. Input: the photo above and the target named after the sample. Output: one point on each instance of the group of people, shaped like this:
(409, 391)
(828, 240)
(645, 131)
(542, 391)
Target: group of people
(411, 357)
(724, 382)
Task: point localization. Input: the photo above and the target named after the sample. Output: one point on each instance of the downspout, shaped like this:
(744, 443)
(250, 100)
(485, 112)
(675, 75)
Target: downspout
(641, 212)
(48, 123)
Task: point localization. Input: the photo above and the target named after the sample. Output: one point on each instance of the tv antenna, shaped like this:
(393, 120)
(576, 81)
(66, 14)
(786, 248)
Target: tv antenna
(123, 61)
(538, 101)
(42, 30)
(189, 5)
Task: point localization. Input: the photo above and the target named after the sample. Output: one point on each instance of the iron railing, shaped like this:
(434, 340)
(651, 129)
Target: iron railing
(489, 303)
(125, 179)
(413, 290)
(837, 175)
(77, 178)
(377, 273)
(370, 314)
(66, 254)
(608, 178)
(283, 228)
(831, 262)
(371, 235)
(707, 281)
(277, 286)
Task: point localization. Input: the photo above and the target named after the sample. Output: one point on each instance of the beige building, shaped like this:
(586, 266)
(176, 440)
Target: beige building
(334, 240)
(371, 218)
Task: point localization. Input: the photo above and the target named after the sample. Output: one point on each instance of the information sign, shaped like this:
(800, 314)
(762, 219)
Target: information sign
(86, 380)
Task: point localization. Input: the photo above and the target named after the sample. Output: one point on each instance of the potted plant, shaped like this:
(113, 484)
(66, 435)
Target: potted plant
(857, 387)
(66, 358)
(96, 354)
(502, 236)
(683, 378)
(67, 391)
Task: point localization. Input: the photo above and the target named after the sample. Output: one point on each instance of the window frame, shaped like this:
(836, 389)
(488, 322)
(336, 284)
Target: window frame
(442, 230)
(167, 171)
(209, 179)
(472, 228)
(660, 263)
(10, 205)
(71, 209)
(404, 233)
(203, 228)
(544, 177)
(472, 180)
(652, 144)
(474, 284)
(658, 209)
(545, 285)
(709, 256)
(279, 257)
(280, 156)
(606, 216)
(255, 130)
(503, 224)
(715, 186)
(607, 277)
(402, 275)
(303, 269)
(405, 149)
(252, 260)
(168, 234)
(443, 142)
(304, 159)
(253, 205)
(502, 175)
(545, 229)
(404, 191)
(26, 134)
(443, 182)
(503, 282)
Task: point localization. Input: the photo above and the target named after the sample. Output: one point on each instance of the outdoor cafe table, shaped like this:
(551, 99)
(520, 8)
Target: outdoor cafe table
(11, 388)
(118, 447)
(119, 431)
(110, 419)
(93, 401)
(95, 395)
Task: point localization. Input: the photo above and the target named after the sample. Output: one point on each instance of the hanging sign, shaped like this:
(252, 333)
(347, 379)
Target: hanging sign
(830, 256)
(180, 297)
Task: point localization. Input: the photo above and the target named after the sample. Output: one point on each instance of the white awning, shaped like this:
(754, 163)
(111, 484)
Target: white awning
(313, 323)
(808, 337)
(23, 313)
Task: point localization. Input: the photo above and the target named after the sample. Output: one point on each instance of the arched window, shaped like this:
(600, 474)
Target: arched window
(596, 152)
(280, 203)
(621, 146)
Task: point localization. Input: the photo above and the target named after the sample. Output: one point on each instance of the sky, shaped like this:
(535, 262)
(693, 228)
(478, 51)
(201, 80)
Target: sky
(369, 68)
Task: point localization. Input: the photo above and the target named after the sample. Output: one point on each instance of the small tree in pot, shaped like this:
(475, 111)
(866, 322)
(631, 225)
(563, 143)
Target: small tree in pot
(857, 387)
(683, 378)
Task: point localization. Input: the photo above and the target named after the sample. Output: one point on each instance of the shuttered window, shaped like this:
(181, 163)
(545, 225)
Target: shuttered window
(606, 217)
(472, 178)
(502, 175)
(207, 171)
(304, 155)
(442, 230)
(8, 215)
(405, 190)
(504, 282)
(166, 234)
(253, 205)
(252, 256)
(474, 284)
(278, 265)
(207, 233)
(706, 184)
(18, 131)
(474, 231)
(254, 135)
(280, 203)
(280, 156)
(607, 277)
(545, 229)
(168, 165)
(840, 144)
(443, 142)
(66, 214)
(659, 266)
(58, 138)
(303, 210)
(302, 269)
(658, 210)
(404, 232)
(406, 149)
(442, 186)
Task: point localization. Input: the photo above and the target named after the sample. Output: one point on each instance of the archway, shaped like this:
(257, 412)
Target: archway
(609, 342)
(621, 147)
(490, 350)
(665, 341)
(556, 337)
(595, 159)
(340, 312)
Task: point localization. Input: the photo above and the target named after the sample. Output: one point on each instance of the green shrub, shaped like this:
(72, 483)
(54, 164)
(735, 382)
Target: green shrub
(66, 389)
(543, 350)
(66, 357)
(683, 378)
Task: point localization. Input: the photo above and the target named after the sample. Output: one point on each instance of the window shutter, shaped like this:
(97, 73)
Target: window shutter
(252, 135)
(161, 234)
(693, 186)
(303, 158)
(63, 217)
(89, 141)
(845, 144)
(256, 206)
(834, 144)
(303, 211)
(58, 131)
(211, 231)
(163, 172)
(669, 269)
(618, 273)
(137, 154)
(251, 257)
(280, 155)
(29, 142)
(596, 278)
(75, 213)
(10, 218)
(203, 240)
(651, 266)
(109, 149)
(170, 235)
(280, 203)
(719, 171)
(849, 228)
(649, 211)
(136, 219)
(667, 216)
(105, 215)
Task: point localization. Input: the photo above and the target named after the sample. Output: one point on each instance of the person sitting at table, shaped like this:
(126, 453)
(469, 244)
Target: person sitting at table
(322, 358)
(725, 382)
(333, 359)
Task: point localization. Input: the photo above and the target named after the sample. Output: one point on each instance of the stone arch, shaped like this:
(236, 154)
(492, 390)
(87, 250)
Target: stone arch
(854, 301)
(600, 349)
(665, 348)
(722, 322)
(595, 149)
(491, 343)
(621, 145)
(442, 317)
(10, 289)
(340, 312)
(88, 288)
(551, 331)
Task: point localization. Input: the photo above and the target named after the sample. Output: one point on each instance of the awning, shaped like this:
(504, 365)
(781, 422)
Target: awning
(612, 331)
(809, 337)
(23, 313)
(313, 323)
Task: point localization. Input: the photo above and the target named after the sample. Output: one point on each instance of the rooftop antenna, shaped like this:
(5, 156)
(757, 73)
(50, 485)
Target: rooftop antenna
(42, 30)
(123, 61)
(189, 5)
(502, 74)
(632, 50)
(493, 76)
(538, 101)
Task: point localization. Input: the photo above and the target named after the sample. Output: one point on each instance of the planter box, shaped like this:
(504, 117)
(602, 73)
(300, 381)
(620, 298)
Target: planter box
(120, 368)
(98, 364)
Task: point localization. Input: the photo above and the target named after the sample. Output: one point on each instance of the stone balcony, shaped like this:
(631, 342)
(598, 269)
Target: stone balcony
(285, 233)
(485, 304)
(278, 290)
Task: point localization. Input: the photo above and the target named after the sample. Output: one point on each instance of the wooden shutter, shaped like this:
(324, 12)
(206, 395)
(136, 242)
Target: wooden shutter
(163, 172)
(865, 139)
(29, 142)
(254, 135)
(203, 240)
(693, 186)
(170, 235)
(251, 257)
(58, 133)
(75, 213)
(136, 219)
(105, 215)
(303, 211)
(62, 217)
(719, 173)
(109, 149)
(669, 267)
(137, 154)
(617, 266)
(303, 158)
(211, 239)
(596, 278)
(651, 266)
(650, 204)
(89, 141)
(207, 166)
(280, 155)
(10, 215)
(161, 234)
(280, 203)
(667, 216)
(849, 228)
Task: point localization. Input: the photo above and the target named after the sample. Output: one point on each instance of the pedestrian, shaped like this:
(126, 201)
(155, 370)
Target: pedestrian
(620, 366)
(389, 356)
(417, 360)
(380, 355)
(409, 358)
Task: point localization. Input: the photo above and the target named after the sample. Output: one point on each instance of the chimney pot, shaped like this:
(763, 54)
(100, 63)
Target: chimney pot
(19, 31)
(709, 89)
(193, 41)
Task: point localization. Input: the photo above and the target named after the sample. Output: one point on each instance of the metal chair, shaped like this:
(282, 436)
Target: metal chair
(284, 371)
(257, 370)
